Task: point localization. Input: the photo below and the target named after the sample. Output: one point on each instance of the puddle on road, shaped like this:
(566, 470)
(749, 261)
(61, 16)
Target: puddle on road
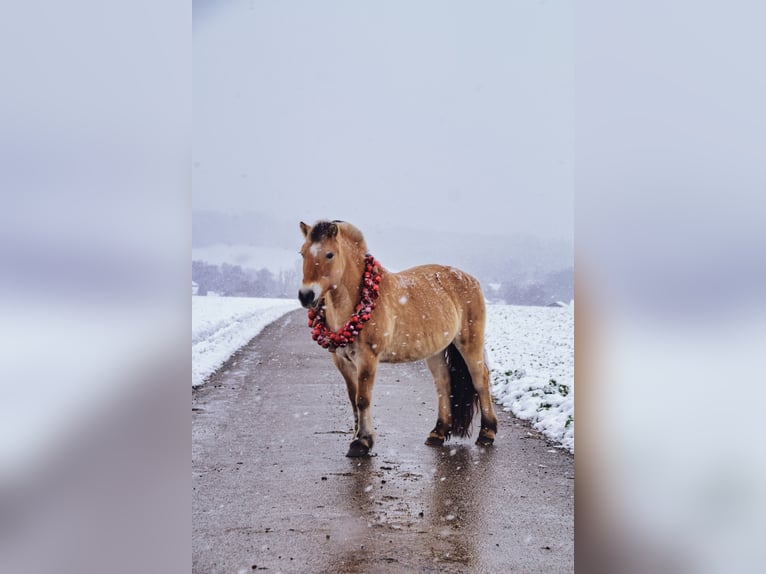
(410, 515)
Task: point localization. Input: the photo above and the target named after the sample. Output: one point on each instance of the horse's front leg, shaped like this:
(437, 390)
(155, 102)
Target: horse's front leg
(348, 370)
(366, 366)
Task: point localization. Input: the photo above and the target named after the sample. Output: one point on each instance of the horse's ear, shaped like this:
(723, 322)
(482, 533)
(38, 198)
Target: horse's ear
(332, 230)
(306, 229)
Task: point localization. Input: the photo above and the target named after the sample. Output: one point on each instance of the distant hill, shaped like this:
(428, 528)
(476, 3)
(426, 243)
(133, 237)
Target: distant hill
(275, 259)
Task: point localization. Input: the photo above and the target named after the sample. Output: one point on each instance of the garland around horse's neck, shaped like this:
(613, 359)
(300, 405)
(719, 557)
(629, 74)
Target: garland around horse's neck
(368, 290)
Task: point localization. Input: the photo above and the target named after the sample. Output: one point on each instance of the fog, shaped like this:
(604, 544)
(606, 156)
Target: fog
(438, 116)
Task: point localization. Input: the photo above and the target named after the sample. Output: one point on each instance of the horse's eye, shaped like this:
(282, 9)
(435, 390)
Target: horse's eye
(330, 255)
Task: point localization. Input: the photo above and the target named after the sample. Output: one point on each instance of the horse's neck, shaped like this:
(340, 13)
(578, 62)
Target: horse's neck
(342, 300)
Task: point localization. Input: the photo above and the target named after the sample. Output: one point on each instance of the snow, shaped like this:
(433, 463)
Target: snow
(531, 359)
(221, 325)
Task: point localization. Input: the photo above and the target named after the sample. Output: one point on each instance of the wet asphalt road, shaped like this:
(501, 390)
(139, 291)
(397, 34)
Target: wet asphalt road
(274, 492)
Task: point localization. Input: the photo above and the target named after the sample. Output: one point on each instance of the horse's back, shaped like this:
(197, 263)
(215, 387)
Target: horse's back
(423, 309)
(439, 290)
(440, 278)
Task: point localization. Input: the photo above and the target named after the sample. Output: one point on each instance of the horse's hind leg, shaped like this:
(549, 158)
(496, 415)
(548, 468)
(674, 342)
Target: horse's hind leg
(480, 376)
(439, 368)
(475, 359)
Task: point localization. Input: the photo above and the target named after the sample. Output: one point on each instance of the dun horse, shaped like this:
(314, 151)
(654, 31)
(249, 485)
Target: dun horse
(364, 314)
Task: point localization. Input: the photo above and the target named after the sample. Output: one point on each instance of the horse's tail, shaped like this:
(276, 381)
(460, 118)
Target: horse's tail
(463, 396)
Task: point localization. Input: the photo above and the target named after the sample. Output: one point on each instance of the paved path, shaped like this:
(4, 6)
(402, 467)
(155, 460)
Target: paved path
(274, 492)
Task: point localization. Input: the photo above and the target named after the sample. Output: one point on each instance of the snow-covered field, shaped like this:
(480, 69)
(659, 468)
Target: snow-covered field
(221, 325)
(531, 355)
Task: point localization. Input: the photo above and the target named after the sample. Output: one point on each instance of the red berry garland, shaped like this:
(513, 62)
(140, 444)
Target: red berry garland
(369, 290)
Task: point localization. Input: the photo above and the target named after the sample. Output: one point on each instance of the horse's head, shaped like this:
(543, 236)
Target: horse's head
(326, 253)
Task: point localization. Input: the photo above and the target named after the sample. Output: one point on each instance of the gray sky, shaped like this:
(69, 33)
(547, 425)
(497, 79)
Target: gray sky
(439, 115)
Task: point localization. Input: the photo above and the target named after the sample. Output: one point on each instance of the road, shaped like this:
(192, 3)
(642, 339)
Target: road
(274, 492)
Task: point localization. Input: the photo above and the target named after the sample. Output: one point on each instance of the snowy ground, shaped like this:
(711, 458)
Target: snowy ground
(531, 354)
(221, 325)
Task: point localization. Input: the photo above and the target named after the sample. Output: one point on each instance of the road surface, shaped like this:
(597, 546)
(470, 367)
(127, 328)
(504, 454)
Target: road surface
(274, 492)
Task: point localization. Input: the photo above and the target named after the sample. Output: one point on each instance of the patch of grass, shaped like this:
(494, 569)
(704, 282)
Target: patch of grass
(553, 386)
(570, 420)
(514, 374)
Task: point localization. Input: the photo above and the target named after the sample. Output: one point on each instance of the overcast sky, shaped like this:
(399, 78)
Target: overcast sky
(440, 115)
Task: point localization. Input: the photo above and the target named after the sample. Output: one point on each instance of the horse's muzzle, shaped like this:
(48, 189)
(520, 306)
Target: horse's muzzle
(307, 297)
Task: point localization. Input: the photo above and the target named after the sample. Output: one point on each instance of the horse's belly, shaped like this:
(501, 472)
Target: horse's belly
(415, 346)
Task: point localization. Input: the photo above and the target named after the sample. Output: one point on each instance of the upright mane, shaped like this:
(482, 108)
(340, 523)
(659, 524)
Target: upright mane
(353, 234)
(325, 229)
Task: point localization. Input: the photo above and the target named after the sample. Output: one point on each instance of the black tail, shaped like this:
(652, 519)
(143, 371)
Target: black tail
(462, 394)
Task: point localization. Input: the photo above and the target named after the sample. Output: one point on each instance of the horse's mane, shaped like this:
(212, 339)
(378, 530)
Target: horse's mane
(353, 234)
(324, 229)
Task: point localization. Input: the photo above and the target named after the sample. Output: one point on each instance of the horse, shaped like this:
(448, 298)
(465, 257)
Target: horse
(364, 314)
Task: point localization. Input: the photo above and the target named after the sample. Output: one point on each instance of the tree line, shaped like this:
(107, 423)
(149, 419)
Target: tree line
(234, 281)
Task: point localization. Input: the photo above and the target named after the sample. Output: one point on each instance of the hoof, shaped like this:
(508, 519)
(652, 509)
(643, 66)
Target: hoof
(358, 448)
(485, 441)
(434, 441)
